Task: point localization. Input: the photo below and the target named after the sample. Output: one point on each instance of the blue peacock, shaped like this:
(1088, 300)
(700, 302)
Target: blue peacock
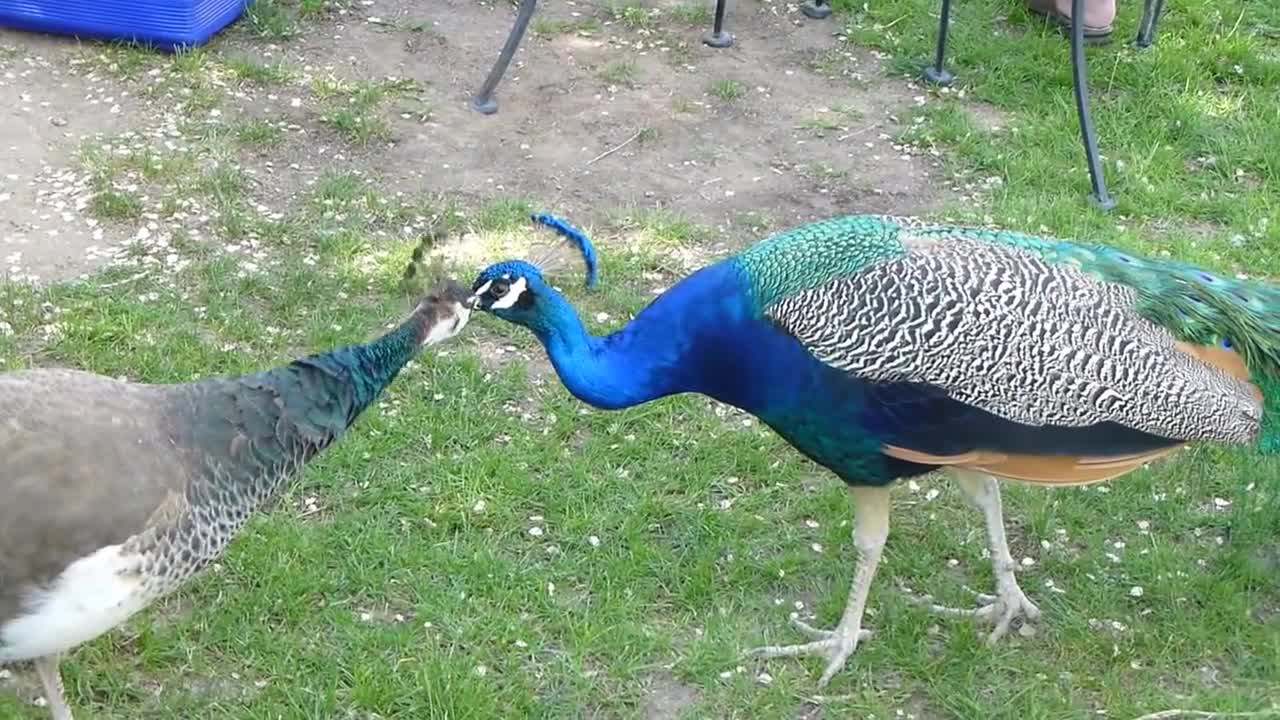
(884, 348)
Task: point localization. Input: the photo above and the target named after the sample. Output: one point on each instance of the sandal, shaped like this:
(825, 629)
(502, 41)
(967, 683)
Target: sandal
(1093, 35)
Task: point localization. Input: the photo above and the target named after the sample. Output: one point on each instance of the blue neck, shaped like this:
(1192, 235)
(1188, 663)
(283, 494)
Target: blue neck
(634, 365)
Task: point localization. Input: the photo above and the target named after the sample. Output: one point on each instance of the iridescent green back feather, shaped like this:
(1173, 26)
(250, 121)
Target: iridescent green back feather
(811, 255)
(1195, 305)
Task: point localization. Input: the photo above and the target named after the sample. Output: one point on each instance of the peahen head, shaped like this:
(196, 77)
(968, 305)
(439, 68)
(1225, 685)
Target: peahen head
(516, 291)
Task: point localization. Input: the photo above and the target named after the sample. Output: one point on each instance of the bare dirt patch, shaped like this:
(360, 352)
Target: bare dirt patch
(788, 125)
(666, 698)
(48, 106)
(759, 127)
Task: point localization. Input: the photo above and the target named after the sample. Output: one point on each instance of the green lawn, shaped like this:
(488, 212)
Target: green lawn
(482, 545)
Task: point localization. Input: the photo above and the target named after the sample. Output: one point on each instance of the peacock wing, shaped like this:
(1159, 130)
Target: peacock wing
(978, 353)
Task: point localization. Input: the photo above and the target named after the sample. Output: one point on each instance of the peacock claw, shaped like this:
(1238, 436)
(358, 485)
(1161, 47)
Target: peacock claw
(1000, 610)
(836, 645)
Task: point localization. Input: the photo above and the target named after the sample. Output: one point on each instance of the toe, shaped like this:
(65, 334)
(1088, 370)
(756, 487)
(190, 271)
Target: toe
(811, 631)
(1030, 609)
(839, 656)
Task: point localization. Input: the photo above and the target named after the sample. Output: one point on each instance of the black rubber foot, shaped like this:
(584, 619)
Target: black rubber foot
(932, 74)
(816, 11)
(1106, 203)
(720, 39)
(488, 106)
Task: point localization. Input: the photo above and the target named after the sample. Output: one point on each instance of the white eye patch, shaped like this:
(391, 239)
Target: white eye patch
(513, 294)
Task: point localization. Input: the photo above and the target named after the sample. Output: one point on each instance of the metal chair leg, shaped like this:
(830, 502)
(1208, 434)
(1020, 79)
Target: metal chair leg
(937, 73)
(483, 101)
(816, 9)
(1150, 16)
(1100, 196)
(717, 37)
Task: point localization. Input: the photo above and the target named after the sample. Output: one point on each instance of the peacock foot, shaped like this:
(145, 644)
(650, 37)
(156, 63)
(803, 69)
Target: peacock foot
(1000, 610)
(835, 645)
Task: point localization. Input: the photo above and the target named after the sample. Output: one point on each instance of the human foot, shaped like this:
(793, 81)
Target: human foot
(1098, 16)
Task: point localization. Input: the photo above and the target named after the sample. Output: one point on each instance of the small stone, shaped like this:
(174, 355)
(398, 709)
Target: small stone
(1027, 631)
(593, 541)
(1136, 591)
(535, 531)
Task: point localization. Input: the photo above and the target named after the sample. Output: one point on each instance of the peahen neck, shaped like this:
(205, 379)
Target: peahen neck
(362, 372)
(258, 429)
(633, 365)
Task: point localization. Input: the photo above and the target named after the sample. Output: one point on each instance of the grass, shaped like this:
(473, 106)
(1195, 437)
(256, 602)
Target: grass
(399, 576)
(550, 27)
(619, 72)
(249, 70)
(257, 133)
(1186, 127)
(632, 16)
(690, 14)
(728, 89)
(354, 110)
(115, 205)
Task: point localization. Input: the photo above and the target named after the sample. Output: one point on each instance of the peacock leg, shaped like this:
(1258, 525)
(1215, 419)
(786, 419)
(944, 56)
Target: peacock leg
(51, 678)
(1009, 602)
(870, 529)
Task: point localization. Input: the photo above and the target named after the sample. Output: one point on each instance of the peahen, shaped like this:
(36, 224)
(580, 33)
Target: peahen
(884, 348)
(113, 493)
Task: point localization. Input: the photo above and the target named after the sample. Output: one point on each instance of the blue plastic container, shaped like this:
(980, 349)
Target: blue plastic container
(162, 24)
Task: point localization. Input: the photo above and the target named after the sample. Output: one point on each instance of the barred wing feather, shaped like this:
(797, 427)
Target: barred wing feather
(1051, 361)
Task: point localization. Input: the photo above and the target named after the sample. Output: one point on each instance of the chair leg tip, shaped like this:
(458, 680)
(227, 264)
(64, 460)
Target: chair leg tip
(484, 106)
(720, 39)
(815, 11)
(937, 76)
(1103, 202)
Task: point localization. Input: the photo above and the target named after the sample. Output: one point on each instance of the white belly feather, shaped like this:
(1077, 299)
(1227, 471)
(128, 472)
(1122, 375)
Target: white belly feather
(93, 595)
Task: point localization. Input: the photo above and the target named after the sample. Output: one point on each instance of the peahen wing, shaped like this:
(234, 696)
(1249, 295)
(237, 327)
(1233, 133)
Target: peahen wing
(981, 354)
(86, 464)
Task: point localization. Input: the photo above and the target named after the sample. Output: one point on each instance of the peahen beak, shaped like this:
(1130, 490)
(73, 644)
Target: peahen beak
(448, 308)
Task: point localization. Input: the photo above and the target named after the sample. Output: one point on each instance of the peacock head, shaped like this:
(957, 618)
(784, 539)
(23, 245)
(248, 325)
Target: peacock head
(516, 291)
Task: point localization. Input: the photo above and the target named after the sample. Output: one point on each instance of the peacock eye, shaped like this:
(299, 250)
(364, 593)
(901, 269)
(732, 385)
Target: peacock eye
(499, 288)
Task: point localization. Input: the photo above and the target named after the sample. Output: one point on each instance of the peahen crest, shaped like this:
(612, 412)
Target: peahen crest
(418, 272)
(552, 257)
